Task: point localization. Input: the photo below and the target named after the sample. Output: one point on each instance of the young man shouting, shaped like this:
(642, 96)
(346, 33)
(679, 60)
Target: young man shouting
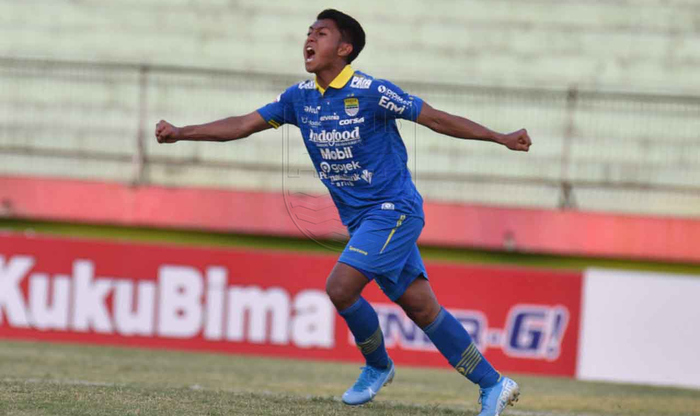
(347, 120)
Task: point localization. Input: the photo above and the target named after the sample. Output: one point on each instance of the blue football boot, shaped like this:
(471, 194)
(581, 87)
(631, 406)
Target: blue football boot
(496, 398)
(371, 380)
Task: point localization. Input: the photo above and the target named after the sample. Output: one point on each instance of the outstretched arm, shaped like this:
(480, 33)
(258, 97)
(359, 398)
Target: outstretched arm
(461, 128)
(231, 128)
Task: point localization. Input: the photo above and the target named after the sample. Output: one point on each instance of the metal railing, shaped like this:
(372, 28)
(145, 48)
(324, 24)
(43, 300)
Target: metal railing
(593, 150)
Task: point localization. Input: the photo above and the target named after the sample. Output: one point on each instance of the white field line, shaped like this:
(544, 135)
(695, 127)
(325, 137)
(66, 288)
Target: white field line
(64, 382)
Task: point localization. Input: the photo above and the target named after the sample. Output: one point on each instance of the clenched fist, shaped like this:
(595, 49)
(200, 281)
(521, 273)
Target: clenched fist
(518, 140)
(166, 132)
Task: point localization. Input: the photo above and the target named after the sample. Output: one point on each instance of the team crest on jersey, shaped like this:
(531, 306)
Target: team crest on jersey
(352, 106)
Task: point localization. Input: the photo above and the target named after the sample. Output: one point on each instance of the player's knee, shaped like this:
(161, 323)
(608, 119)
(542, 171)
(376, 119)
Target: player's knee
(340, 294)
(423, 315)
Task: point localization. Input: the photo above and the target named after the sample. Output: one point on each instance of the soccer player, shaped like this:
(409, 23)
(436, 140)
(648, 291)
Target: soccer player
(347, 120)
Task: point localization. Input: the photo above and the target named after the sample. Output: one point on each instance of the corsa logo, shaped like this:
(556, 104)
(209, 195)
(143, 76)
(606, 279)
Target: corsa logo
(351, 121)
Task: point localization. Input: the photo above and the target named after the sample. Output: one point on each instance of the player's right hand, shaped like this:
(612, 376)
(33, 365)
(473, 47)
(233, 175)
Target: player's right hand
(517, 140)
(166, 132)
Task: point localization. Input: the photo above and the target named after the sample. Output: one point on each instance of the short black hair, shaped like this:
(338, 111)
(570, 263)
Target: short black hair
(350, 30)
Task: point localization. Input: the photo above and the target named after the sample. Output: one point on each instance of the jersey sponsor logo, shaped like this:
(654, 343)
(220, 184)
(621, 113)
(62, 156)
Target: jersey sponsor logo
(351, 248)
(307, 85)
(352, 106)
(333, 137)
(337, 154)
(389, 105)
(330, 117)
(367, 176)
(312, 123)
(388, 206)
(349, 121)
(340, 180)
(360, 83)
(340, 167)
(394, 96)
(310, 109)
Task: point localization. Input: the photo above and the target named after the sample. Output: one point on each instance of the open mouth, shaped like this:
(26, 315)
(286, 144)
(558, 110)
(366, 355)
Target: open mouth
(309, 53)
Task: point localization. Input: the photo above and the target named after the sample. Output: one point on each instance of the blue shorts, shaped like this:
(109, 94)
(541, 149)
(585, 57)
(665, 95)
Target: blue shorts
(383, 247)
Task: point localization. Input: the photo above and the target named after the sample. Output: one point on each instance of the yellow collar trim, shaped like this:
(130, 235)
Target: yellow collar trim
(339, 81)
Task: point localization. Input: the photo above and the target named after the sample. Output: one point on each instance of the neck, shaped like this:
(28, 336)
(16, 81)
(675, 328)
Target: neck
(326, 75)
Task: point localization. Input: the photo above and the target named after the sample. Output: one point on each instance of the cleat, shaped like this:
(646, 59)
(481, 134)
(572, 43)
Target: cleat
(371, 380)
(496, 398)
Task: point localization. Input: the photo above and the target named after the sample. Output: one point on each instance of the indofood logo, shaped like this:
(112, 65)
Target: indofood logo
(333, 137)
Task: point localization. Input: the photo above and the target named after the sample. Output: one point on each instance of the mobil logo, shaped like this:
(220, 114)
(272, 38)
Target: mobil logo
(337, 154)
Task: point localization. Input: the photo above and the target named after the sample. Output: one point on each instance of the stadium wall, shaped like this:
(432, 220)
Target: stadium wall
(595, 325)
(300, 215)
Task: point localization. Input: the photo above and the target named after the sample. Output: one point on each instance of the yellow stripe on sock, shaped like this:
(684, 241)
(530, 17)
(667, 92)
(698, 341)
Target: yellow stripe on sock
(471, 357)
(467, 355)
(371, 344)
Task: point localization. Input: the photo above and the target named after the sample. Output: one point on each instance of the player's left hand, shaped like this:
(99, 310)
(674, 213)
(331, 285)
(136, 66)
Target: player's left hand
(518, 140)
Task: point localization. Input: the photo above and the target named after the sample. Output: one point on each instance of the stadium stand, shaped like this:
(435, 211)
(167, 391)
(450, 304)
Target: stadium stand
(611, 100)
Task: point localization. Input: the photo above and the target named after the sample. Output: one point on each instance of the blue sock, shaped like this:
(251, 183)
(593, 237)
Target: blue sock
(454, 342)
(364, 325)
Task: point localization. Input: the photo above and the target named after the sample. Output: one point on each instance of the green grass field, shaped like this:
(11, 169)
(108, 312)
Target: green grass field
(64, 379)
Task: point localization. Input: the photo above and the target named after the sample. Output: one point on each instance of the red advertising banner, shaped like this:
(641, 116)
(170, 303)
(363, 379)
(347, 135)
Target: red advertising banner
(269, 303)
(274, 213)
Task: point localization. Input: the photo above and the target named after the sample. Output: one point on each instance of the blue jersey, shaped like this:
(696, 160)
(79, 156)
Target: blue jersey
(350, 132)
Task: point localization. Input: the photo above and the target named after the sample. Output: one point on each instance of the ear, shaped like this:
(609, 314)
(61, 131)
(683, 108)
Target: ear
(344, 49)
